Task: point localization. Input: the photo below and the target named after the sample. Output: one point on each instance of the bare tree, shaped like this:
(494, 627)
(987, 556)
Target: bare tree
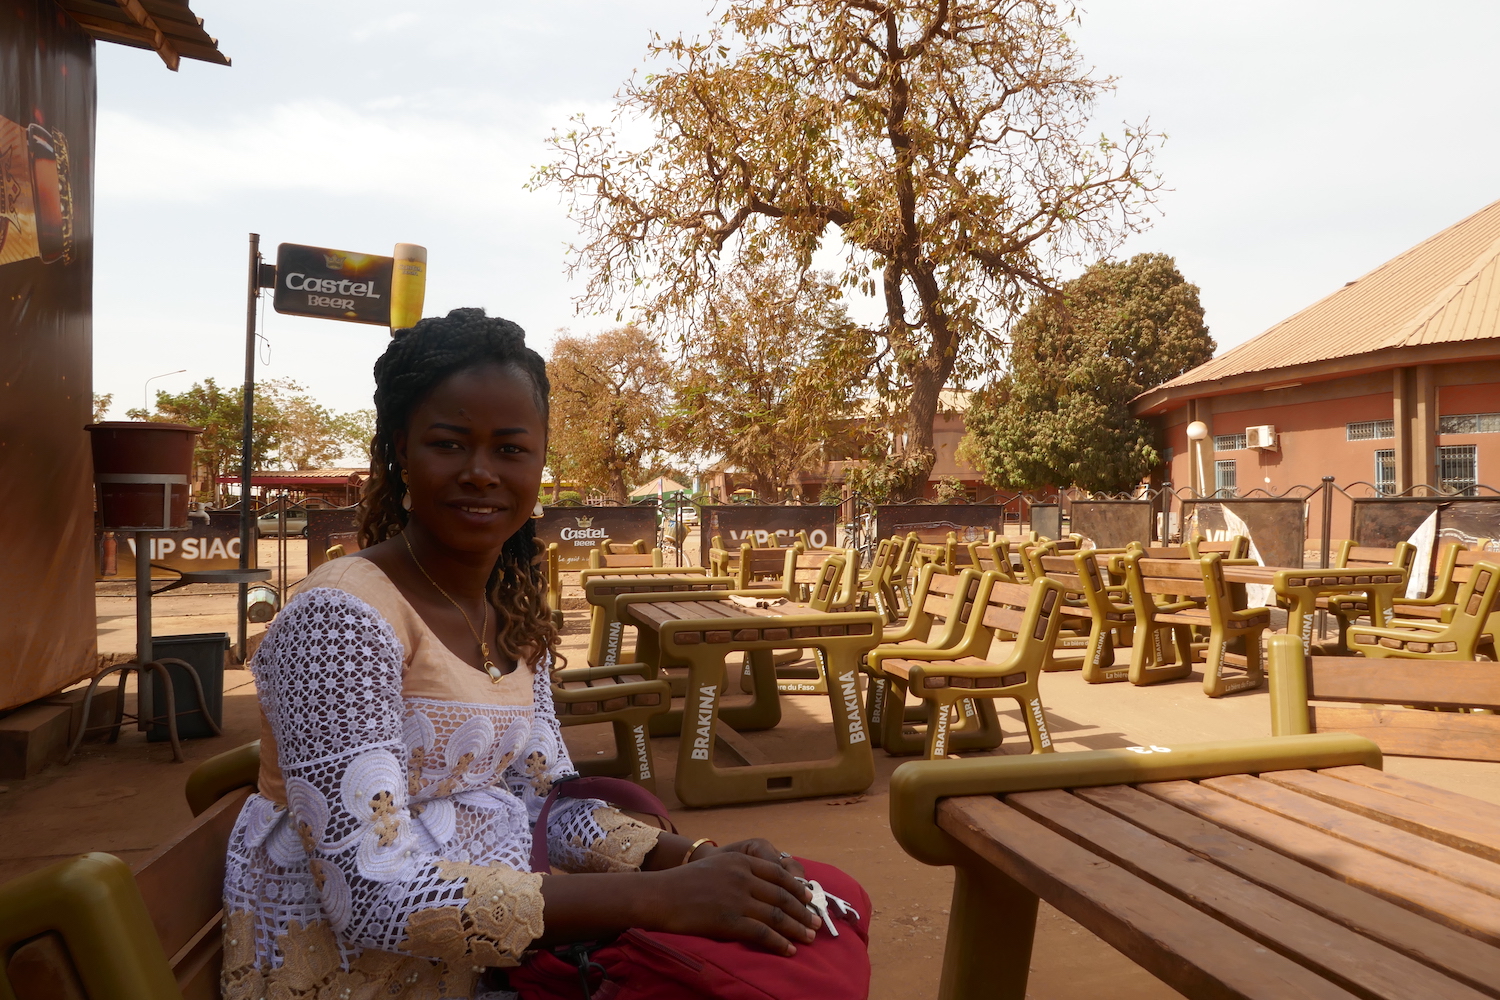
(938, 145)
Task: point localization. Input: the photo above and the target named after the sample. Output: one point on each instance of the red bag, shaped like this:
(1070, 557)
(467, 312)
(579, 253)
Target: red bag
(655, 965)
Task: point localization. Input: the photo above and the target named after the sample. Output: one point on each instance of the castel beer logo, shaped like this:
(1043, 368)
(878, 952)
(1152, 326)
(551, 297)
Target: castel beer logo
(585, 532)
(333, 284)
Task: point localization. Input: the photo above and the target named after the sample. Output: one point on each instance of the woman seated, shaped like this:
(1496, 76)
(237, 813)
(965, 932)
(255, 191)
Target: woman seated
(409, 738)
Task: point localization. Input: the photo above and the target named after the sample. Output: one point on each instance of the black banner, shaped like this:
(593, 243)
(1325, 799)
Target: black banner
(766, 525)
(576, 530)
(1112, 524)
(327, 527)
(333, 284)
(202, 547)
(1276, 526)
(932, 521)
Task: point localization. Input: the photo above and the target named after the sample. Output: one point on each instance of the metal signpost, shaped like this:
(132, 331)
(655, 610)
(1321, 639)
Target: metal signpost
(325, 284)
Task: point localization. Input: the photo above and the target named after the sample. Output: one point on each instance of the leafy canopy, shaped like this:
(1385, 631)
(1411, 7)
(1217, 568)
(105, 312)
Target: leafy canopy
(1061, 415)
(940, 150)
(609, 399)
(756, 386)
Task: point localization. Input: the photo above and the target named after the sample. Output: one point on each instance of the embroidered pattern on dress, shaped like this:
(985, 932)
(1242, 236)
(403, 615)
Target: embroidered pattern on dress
(405, 817)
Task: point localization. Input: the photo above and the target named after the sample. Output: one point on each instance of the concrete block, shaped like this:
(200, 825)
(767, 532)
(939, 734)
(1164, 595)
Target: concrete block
(101, 709)
(33, 737)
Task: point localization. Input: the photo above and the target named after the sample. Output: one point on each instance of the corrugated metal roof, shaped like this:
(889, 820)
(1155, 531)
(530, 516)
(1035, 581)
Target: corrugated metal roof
(1445, 289)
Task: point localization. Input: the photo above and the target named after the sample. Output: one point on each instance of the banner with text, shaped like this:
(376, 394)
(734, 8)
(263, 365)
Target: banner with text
(197, 549)
(766, 526)
(576, 530)
(333, 284)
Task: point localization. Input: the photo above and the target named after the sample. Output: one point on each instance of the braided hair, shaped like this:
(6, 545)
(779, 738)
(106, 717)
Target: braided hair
(417, 360)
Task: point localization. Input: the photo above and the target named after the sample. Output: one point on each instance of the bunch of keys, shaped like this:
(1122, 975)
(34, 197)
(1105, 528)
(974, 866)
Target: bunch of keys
(820, 902)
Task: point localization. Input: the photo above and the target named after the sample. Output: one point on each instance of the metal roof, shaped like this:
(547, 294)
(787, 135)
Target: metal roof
(167, 27)
(1444, 290)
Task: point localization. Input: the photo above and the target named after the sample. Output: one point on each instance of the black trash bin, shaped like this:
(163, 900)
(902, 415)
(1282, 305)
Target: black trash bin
(205, 652)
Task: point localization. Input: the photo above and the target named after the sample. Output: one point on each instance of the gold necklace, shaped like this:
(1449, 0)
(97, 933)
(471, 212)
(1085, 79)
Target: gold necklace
(484, 647)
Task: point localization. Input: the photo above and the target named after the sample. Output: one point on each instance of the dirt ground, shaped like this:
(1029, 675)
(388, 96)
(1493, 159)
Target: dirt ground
(126, 798)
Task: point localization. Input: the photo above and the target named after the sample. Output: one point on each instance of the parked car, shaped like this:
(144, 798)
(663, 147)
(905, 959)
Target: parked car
(268, 525)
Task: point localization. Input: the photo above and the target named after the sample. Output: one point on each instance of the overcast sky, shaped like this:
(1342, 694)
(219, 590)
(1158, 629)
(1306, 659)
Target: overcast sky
(1309, 142)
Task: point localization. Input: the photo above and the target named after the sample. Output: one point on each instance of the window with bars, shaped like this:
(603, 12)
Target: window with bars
(1229, 442)
(1458, 468)
(1226, 477)
(1469, 423)
(1370, 430)
(1385, 470)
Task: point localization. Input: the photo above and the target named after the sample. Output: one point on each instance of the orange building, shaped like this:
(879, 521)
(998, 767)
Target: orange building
(1393, 380)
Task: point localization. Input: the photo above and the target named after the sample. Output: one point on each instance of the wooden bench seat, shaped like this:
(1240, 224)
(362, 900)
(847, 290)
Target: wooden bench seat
(626, 696)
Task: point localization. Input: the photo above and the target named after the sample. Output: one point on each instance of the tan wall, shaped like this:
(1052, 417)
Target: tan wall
(1311, 419)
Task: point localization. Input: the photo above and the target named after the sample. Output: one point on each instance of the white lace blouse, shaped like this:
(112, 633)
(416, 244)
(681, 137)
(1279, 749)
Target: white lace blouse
(387, 851)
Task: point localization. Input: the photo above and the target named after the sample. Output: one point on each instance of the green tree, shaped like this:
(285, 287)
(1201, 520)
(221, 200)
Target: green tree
(220, 412)
(941, 149)
(310, 435)
(356, 429)
(759, 385)
(609, 398)
(1061, 415)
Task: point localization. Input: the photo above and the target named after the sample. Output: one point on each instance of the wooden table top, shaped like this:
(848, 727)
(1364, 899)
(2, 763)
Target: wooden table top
(1334, 883)
(1353, 576)
(742, 624)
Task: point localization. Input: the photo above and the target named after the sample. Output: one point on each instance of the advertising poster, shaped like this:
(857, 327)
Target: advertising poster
(971, 522)
(333, 284)
(1112, 524)
(47, 88)
(766, 526)
(576, 530)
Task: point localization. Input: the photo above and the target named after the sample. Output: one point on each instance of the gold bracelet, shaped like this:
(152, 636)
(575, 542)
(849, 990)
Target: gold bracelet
(697, 844)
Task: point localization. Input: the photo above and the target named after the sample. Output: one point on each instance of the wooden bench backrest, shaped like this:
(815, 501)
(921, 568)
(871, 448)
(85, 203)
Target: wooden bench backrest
(1173, 576)
(1363, 555)
(624, 548)
(610, 560)
(809, 565)
(1237, 547)
(826, 589)
(1465, 559)
(1378, 685)
(1167, 552)
(1029, 612)
(942, 597)
(182, 887)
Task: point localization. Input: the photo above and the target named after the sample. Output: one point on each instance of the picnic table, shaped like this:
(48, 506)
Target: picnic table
(1301, 589)
(600, 588)
(1280, 868)
(684, 628)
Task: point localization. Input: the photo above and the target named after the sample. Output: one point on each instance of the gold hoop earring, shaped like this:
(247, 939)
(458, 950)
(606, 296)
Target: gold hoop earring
(406, 496)
(537, 510)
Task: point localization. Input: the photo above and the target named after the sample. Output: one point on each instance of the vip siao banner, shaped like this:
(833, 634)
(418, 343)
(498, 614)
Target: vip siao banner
(333, 284)
(766, 525)
(197, 549)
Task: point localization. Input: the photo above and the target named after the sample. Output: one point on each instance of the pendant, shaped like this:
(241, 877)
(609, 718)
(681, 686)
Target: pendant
(495, 675)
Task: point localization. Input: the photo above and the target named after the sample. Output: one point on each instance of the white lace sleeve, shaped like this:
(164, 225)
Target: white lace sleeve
(583, 835)
(329, 678)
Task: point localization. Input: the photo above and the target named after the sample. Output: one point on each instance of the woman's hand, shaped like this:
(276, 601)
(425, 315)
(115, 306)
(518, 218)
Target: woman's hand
(735, 893)
(757, 847)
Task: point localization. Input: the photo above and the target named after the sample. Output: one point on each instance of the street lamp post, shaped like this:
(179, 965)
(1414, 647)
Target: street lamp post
(1197, 431)
(146, 389)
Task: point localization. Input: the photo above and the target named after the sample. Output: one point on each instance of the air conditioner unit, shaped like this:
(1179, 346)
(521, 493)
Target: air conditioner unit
(1262, 436)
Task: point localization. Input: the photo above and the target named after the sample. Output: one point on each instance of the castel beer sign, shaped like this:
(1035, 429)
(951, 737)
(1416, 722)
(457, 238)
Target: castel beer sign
(333, 284)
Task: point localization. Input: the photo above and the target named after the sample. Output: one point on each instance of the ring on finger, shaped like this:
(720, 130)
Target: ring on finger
(783, 855)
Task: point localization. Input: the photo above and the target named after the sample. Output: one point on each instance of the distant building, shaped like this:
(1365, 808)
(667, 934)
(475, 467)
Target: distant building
(313, 487)
(1393, 380)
